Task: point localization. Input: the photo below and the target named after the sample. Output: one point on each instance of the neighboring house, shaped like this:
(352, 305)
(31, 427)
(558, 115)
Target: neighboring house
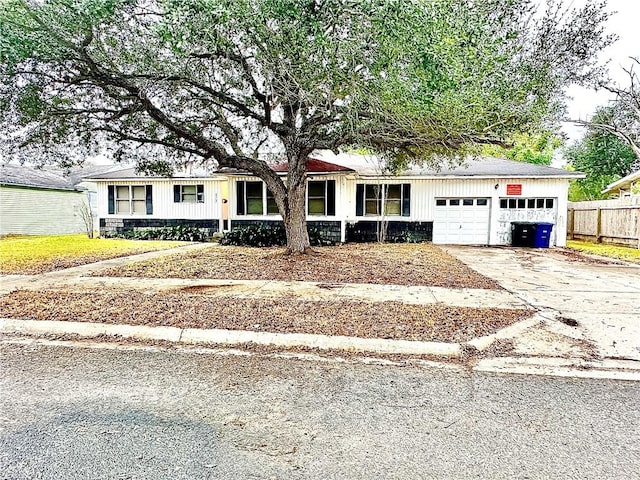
(38, 202)
(627, 189)
(348, 197)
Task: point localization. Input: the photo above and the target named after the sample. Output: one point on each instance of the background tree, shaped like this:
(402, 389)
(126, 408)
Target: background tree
(530, 148)
(602, 155)
(622, 118)
(239, 83)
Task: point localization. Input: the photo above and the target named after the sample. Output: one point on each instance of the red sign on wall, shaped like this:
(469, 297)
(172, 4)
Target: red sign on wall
(514, 189)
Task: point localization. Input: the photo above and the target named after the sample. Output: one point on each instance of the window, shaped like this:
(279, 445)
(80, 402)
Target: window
(527, 203)
(395, 198)
(251, 198)
(372, 199)
(188, 193)
(130, 199)
(272, 206)
(464, 202)
(321, 197)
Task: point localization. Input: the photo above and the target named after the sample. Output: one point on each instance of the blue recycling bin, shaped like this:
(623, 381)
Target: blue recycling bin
(542, 234)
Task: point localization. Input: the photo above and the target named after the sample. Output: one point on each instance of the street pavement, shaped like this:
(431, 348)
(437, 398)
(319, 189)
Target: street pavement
(77, 412)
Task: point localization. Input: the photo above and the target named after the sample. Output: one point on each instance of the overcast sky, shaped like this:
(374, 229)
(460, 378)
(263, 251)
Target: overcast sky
(625, 23)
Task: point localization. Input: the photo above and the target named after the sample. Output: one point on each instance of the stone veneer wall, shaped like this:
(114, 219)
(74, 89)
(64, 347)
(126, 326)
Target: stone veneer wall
(118, 226)
(365, 231)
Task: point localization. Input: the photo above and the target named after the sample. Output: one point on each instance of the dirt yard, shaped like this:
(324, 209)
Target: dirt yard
(392, 264)
(396, 320)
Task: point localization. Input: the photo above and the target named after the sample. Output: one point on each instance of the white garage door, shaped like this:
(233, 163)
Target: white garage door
(461, 221)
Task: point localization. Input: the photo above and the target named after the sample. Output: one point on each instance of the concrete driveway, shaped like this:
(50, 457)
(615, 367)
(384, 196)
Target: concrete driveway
(604, 300)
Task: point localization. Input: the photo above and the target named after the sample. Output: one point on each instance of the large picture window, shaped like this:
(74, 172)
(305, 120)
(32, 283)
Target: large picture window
(321, 197)
(130, 199)
(188, 193)
(252, 197)
(385, 199)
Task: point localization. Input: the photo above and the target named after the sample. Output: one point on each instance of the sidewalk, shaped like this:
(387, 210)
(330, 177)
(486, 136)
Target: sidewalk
(544, 344)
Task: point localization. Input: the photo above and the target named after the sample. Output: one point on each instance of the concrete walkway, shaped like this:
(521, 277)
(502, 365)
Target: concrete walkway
(605, 341)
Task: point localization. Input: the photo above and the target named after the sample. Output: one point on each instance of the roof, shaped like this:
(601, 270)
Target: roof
(480, 167)
(315, 165)
(622, 183)
(24, 176)
(131, 173)
(326, 162)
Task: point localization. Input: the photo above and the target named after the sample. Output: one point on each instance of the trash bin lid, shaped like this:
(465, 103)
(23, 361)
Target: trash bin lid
(545, 224)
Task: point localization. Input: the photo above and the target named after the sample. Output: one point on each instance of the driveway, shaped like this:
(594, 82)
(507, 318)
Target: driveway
(604, 300)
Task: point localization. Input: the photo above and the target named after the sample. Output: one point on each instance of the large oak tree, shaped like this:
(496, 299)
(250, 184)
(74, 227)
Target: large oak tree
(241, 82)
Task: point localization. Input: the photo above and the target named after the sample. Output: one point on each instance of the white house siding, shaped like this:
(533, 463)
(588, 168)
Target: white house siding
(424, 193)
(39, 211)
(162, 198)
(206, 215)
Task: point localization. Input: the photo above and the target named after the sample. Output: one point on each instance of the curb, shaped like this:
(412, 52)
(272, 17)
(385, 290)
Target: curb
(229, 337)
(628, 370)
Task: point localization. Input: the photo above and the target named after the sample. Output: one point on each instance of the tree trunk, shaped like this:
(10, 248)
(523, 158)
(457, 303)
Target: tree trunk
(295, 218)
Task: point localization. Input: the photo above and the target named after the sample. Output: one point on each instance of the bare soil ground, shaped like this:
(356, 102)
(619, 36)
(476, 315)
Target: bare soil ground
(395, 320)
(393, 264)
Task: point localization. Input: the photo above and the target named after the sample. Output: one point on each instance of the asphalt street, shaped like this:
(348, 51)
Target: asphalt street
(93, 413)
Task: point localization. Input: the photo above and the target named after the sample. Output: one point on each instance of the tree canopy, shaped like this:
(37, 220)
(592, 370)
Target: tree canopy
(240, 83)
(602, 155)
(529, 148)
(622, 117)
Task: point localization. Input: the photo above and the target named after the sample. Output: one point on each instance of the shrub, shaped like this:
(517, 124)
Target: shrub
(181, 233)
(260, 235)
(256, 236)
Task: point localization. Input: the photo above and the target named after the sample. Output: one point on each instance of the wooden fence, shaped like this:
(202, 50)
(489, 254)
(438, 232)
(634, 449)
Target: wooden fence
(606, 221)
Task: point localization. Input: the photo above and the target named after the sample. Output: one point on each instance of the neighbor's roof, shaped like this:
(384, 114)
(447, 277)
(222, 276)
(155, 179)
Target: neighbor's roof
(622, 183)
(482, 167)
(32, 177)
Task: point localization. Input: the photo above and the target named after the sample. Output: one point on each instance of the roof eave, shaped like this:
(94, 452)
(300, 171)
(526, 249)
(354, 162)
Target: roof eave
(476, 177)
(619, 184)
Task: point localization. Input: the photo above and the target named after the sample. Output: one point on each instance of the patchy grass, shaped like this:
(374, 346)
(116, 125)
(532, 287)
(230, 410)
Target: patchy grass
(38, 254)
(395, 320)
(627, 254)
(392, 264)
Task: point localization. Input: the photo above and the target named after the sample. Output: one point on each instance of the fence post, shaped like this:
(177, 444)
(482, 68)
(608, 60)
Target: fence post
(570, 222)
(598, 225)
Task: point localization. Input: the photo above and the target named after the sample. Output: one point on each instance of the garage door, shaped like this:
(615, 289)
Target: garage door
(461, 221)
